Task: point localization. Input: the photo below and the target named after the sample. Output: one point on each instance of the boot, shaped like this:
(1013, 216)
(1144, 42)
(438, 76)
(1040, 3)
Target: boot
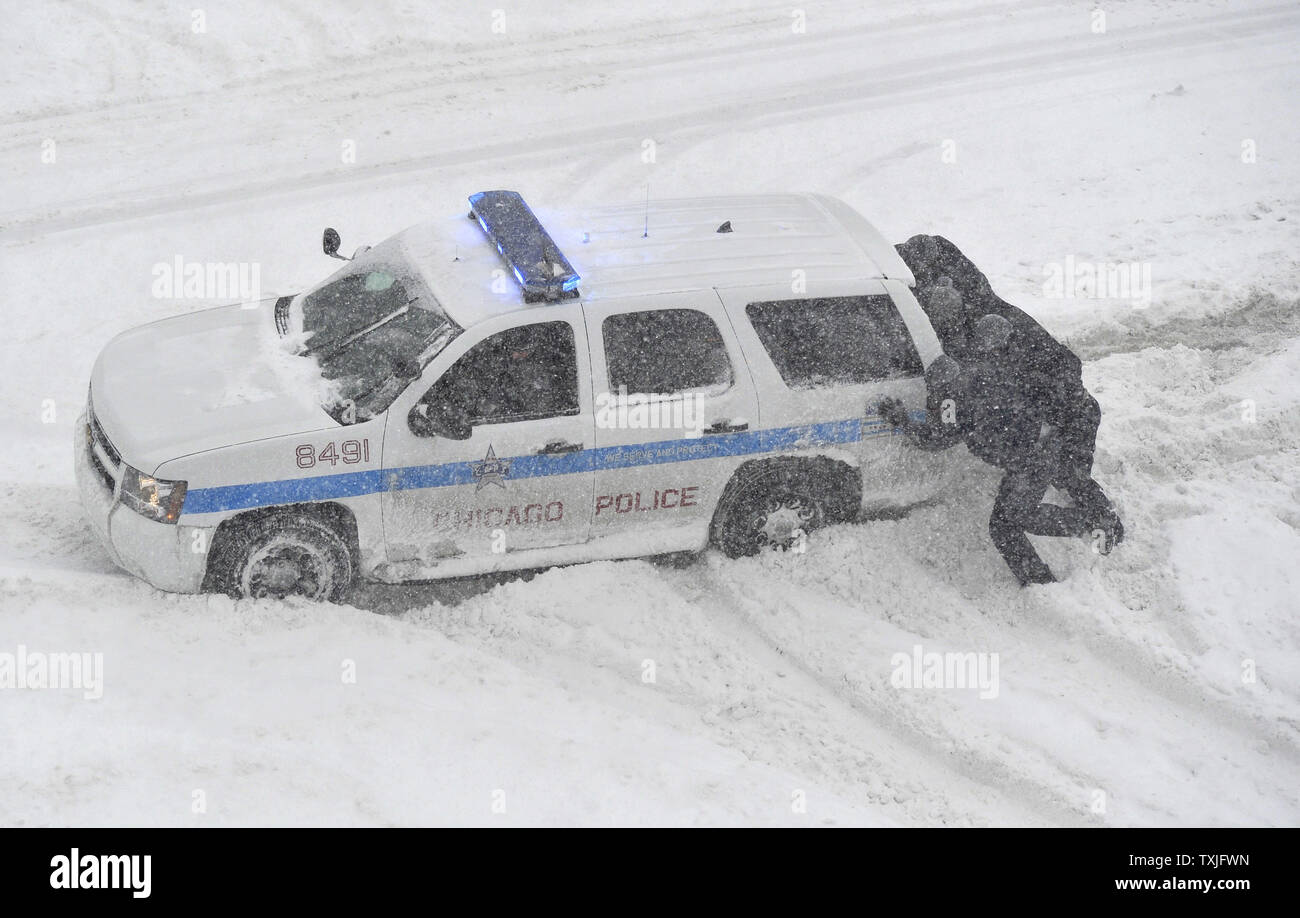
(1111, 529)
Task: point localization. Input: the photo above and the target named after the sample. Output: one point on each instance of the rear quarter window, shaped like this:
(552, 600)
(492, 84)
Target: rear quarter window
(829, 341)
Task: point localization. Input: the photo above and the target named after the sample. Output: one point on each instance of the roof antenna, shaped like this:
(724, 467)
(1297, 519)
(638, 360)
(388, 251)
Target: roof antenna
(646, 234)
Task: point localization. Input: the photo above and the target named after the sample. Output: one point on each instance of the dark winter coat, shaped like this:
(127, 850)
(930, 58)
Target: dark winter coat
(940, 431)
(1002, 409)
(1031, 346)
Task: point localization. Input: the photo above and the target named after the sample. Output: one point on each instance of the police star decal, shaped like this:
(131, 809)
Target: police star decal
(490, 471)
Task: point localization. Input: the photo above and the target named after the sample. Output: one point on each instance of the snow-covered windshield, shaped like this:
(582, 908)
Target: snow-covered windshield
(370, 328)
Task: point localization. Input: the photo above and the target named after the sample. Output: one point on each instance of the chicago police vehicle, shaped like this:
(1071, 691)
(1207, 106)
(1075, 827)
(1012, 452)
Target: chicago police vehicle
(492, 394)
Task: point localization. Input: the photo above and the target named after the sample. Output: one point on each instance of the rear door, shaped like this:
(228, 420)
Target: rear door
(675, 407)
(823, 359)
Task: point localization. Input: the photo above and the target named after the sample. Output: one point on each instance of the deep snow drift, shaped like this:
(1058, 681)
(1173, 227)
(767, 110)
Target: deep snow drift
(1160, 685)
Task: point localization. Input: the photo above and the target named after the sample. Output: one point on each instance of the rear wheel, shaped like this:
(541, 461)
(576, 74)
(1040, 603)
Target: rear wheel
(280, 556)
(775, 506)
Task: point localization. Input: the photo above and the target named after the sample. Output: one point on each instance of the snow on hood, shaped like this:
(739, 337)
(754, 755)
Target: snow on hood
(200, 381)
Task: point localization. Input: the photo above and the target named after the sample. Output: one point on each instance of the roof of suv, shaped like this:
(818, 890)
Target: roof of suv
(771, 236)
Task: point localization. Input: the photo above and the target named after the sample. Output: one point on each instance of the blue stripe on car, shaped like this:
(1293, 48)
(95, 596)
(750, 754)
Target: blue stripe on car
(682, 449)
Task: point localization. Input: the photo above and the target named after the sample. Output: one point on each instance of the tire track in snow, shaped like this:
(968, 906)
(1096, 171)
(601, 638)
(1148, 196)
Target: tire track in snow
(715, 677)
(799, 101)
(1018, 766)
(1234, 339)
(475, 63)
(1151, 682)
(925, 751)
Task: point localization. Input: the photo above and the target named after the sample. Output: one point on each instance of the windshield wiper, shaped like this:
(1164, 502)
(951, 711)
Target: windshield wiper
(447, 332)
(332, 350)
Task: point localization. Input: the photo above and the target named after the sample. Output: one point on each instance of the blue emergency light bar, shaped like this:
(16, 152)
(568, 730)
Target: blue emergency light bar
(531, 254)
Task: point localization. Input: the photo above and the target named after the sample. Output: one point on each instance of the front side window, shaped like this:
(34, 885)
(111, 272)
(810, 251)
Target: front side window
(663, 351)
(520, 374)
(371, 329)
(828, 341)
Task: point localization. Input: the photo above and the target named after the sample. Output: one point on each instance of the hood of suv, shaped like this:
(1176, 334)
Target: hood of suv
(201, 381)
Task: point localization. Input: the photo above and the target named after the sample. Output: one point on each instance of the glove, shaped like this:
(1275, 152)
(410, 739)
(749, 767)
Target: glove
(893, 411)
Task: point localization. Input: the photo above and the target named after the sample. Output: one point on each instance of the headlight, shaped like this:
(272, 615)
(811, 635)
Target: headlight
(152, 497)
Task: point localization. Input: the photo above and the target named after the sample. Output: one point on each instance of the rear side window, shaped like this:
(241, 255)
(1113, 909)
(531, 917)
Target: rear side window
(828, 341)
(663, 351)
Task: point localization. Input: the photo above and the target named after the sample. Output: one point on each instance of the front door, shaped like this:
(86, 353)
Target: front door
(522, 478)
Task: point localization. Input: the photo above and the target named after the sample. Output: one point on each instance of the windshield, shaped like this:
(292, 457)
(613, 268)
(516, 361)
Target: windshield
(371, 329)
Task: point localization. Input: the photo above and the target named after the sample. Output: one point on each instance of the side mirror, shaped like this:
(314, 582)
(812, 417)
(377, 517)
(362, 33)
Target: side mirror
(330, 242)
(443, 421)
(417, 419)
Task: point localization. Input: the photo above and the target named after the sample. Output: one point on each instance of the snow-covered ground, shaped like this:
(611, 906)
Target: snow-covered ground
(1158, 686)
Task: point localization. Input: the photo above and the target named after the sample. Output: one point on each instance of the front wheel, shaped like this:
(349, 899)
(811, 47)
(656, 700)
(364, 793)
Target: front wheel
(283, 556)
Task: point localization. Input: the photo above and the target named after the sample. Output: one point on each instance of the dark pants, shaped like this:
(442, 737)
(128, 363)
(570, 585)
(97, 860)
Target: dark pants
(1019, 511)
(1073, 472)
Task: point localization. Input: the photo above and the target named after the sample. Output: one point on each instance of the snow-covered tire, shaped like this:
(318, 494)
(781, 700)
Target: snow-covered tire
(284, 555)
(776, 503)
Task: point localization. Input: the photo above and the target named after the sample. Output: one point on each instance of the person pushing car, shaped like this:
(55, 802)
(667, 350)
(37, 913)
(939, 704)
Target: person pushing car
(1005, 413)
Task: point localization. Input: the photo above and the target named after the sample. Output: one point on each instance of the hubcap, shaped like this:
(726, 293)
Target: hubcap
(782, 519)
(287, 568)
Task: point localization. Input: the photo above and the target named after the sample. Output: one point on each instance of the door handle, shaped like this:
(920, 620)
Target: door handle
(726, 426)
(558, 447)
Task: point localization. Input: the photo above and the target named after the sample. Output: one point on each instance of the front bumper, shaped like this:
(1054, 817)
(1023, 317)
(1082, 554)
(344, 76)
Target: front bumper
(170, 557)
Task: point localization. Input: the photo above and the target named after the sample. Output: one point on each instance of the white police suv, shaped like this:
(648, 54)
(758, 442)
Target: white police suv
(484, 395)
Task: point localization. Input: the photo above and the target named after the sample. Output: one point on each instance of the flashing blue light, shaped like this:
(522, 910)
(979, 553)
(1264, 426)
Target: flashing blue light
(535, 260)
